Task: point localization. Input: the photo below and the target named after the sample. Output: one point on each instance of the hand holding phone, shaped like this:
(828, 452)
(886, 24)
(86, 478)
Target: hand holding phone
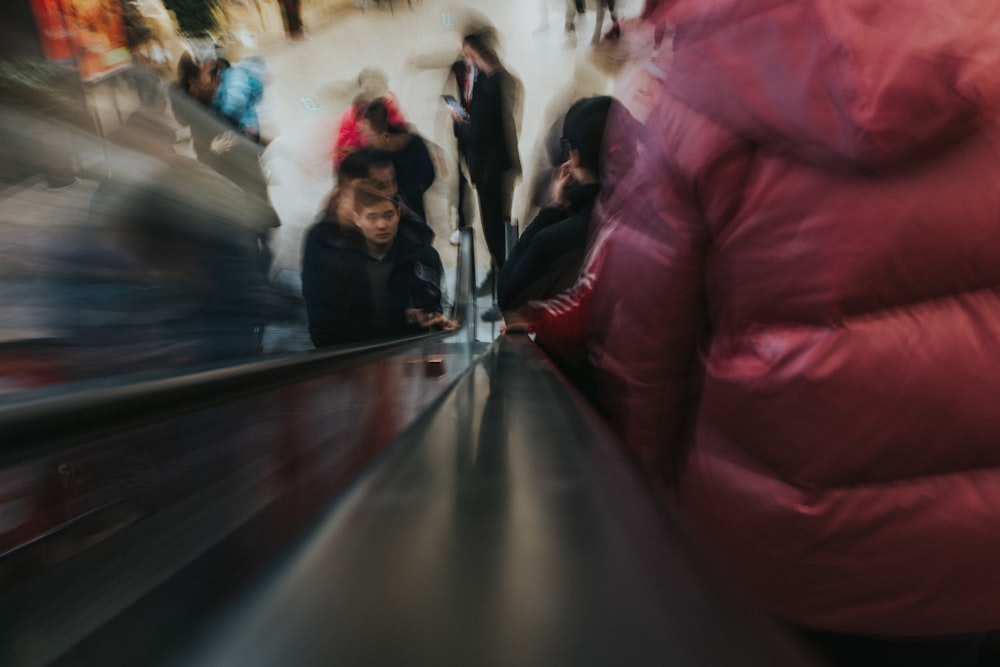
(456, 107)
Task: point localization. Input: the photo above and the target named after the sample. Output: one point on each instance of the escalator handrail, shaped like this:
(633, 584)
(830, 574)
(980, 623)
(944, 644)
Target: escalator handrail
(66, 409)
(506, 522)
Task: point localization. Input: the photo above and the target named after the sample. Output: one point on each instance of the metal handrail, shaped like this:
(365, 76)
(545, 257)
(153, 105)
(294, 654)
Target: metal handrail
(505, 527)
(30, 416)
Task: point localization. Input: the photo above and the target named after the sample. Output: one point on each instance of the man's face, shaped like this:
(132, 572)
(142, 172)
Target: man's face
(379, 224)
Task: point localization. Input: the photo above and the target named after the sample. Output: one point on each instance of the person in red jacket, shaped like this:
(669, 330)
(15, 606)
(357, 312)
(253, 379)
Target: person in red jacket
(795, 323)
(373, 84)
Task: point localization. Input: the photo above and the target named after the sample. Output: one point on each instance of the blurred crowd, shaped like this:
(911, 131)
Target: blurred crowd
(159, 235)
(770, 258)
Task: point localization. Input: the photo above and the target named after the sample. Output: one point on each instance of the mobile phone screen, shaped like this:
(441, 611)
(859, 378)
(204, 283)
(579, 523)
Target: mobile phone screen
(455, 106)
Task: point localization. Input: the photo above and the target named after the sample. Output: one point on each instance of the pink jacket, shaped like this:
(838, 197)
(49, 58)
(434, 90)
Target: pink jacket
(799, 309)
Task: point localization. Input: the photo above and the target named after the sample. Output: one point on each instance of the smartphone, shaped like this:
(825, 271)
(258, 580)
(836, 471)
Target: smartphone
(455, 106)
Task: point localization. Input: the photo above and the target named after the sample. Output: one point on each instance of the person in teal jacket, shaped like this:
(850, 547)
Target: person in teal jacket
(240, 89)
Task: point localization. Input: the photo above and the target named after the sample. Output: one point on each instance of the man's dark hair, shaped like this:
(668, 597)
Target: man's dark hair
(189, 68)
(377, 115)
(365, 198)
(359, 163)
(583, 129)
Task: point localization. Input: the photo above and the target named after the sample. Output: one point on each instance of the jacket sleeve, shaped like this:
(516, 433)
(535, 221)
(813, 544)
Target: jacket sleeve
(312, 291)
(560, 323)
(649, 309)
(348, 137)
(236, 98)
(327, 306)
(429, 272)
(511, 114)
(550, 237)
(425, 173)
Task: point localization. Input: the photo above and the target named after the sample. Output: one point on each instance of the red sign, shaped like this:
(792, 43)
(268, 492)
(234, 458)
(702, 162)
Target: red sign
(53, 31)
(92, 31)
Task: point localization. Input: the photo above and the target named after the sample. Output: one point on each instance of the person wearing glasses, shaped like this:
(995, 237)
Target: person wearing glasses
(546, 259)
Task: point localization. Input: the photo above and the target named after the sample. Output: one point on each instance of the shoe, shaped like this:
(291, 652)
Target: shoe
(486, 287)
(455, 238)
(492, 315)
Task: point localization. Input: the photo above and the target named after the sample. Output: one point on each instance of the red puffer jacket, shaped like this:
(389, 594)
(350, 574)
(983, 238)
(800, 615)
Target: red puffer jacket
(802, 301)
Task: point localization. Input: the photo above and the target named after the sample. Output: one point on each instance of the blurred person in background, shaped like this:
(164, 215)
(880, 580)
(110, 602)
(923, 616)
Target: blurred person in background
(488, 137)
(151, 262)
(232, 91)
(291, 18)
(374, 169)
(559, 321)
(546, 259)
(794, 323)
(587, 80)
(615, 31)
(574, 7)
(411, 160)
(372, 84)
(226, 142)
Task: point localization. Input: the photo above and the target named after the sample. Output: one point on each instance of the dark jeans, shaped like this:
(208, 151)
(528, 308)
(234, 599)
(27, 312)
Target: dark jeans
(291, 16)
(495, 192)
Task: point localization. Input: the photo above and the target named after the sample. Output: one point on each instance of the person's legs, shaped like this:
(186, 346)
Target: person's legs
(570, 15)
(291, 16)
(463, 199)
(615, 31)
(492, 214)
(598, 22)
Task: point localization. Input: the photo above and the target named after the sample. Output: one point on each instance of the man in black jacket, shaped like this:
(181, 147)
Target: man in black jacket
(362, 279)
(408, 152)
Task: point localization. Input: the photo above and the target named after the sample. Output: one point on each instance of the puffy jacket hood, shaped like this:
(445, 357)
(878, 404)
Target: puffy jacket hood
(850, 82)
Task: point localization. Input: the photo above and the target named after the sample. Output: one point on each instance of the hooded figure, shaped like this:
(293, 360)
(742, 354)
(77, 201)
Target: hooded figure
(797, 319)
